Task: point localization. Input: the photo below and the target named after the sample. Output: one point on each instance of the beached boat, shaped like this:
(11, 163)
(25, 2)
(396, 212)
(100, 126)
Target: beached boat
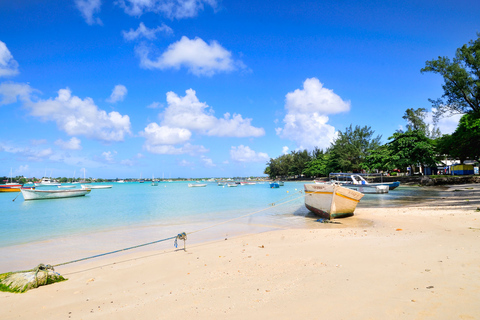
(53, 194)
(192, 185)
(274, 185)
(331, 201)
(358, 179)
(100, 186)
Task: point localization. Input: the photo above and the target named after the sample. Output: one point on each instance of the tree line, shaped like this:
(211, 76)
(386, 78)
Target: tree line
(357, 149)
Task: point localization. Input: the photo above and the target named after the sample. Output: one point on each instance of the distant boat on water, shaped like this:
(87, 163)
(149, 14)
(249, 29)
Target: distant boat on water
(47, 182)
(10, 186)
(331, 201)
(100, 186)
(193, 185)
(53, 194)
(274, 185)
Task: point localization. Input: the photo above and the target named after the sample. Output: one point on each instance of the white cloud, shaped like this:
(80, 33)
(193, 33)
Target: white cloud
(81, 117)
(173, 9)
(188, 112)
(165, 135)
(207, 162)
(447, 123)
(72, 144)
(27, 153)
(196, 55)
(10, 91)
(88, 8)
(306, 118)
(285, 150)
(109, 156)
(245, 154)
(118, 93)
(184, 163)
(8, 66)
(170, 149)
(144, 32)
(155, 105)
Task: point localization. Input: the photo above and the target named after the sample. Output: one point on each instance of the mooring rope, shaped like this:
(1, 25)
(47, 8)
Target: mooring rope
(180, 236)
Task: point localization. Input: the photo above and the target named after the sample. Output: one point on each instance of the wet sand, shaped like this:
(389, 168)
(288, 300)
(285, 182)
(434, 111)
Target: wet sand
(419, 261)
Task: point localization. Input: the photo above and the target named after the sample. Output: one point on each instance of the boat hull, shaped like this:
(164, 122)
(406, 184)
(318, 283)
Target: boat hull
(53, 194)
(331, 201)
(370, 189)
(10, 187)
(194, 185)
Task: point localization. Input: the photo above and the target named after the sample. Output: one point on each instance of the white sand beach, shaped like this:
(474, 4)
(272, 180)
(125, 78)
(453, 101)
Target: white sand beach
(415, 262)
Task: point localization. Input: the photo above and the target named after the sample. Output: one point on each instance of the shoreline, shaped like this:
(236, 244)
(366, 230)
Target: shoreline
(409, 262)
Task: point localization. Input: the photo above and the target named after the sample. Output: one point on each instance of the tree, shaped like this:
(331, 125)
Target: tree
(318, 166)
(350, 149)
(381, 159)
(464, 143)
(416, 121)
(411, 148)
(461, 80)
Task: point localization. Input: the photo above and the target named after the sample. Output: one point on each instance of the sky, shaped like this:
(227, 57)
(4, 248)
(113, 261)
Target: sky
(210, 88)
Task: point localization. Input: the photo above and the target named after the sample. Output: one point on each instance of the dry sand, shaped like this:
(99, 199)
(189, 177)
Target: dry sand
(415, 262)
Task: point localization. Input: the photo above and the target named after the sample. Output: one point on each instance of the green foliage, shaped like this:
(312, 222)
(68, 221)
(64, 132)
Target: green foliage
(416, 121)
(351, 148)
(461, 80)
(411, 148)
(319, 166)
(464, 143)
(380, 159)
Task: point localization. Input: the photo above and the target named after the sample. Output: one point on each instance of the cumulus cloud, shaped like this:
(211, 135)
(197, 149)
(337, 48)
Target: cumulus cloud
(155, 105)
(185, 115)
(173, 9)
(81, 117)
(188, 112)
(28, 153)
(88, 8)
(8, 66)
(447, 123)
(109, 156)
(72, 144)
(245, 154)
(144, 32)
(118, 93)
(11, 92)
(207, 162)
(285, 150)
(306, 120)
(196, 55)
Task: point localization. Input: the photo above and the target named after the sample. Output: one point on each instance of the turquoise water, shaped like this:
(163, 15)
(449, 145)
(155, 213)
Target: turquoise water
(137, 205)
(140, 204)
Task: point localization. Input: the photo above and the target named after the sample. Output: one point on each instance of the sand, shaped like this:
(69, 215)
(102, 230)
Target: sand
(415, 262)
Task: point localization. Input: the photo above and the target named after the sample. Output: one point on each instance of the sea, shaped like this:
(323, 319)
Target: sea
(132, 213)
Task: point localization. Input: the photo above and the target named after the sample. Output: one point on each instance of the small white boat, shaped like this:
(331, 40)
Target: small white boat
(100, 186)
(121, 181)
(65, 186)
(331, 201)
(53, 194)
(192, 185)
(371, 189)
(47, 182)
(230, 185)
(357, 179)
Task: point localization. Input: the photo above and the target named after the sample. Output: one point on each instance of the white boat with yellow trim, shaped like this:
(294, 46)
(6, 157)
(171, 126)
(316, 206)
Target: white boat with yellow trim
(53, 194)
(331, 201)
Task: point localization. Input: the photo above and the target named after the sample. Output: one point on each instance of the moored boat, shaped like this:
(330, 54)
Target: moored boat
(10, 187)
(358, 179)
(46, 182)
(331, 201)
(53, 194)
(231, 185)
(274, 185)
(367, 188)
(191, 185)
(100, 186)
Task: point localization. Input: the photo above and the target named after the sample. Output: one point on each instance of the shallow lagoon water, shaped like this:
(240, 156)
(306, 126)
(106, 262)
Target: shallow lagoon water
(140, 204)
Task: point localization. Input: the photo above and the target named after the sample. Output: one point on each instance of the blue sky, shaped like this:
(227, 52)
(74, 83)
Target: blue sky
(209, 88)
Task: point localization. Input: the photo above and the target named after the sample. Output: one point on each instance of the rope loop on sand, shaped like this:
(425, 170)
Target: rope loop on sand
(44, 268)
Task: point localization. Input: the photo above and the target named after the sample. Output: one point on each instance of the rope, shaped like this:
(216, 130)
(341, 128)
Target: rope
(44, 268)
(116, 251)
